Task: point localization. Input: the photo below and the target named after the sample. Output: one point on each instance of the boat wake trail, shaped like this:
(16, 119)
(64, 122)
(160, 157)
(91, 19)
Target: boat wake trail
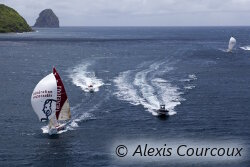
(223, 50)
(83, 78)
(77, 117)
(245, 47)
(149, 88)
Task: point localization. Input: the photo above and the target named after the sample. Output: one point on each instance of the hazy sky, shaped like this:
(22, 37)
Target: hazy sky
(138, 12)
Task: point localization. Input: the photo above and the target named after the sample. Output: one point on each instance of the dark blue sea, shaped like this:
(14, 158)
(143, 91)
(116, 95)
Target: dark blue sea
(133, 70)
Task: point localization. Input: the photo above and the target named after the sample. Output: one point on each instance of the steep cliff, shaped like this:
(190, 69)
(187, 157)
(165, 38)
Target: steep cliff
(47, 18)
(11, 21)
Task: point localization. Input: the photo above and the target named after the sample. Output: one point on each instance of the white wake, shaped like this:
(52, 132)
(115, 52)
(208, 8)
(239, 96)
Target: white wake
(83, 78)
(77, 116)
(245, 47)
(146, 88)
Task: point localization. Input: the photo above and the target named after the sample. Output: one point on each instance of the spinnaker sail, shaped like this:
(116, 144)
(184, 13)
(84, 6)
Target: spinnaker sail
(43, 99)
(231, 44)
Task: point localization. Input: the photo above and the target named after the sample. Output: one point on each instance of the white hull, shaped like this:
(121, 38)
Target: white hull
(52, 131)
(56, 130)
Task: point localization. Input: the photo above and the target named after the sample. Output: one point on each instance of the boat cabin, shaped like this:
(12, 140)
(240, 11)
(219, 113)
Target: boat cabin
(162, 107)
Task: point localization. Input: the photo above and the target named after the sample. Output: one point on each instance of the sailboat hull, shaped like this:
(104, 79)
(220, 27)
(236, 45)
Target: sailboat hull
(56, 130)
(53, 131)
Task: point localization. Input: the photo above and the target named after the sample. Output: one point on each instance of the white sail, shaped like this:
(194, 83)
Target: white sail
(44, 98)
(231, 44)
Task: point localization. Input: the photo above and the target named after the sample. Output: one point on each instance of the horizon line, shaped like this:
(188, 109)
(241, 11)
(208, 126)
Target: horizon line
(150, 26)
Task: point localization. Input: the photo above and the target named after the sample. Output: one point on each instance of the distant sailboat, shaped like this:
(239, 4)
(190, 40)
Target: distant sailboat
(231, 44)
(50, 102)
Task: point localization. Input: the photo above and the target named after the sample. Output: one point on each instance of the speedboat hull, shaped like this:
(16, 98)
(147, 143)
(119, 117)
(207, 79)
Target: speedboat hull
(162, 114)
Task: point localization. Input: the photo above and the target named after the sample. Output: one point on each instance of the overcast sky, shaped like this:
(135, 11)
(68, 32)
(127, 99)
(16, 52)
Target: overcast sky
(138, 12)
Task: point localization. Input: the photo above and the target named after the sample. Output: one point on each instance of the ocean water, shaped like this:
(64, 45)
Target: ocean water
(133, 70)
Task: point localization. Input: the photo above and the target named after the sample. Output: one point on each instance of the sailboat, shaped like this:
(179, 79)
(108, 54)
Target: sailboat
(231, 44)
(50, 102)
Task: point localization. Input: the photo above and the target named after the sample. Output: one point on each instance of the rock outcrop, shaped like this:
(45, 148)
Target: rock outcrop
(47, 18)
(11, 21)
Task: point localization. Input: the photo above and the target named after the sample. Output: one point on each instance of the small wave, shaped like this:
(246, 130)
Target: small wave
(191, 77)
(27, 134)
(189, 87)
(108, 84)
(245, 47)
(84, 116)
(83, 78)
(224, 50)
(45, 129)
(78, 116)
(23, 33)
(159, 80)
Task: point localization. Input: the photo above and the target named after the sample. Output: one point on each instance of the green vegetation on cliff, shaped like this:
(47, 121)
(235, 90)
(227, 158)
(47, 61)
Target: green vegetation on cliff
(11, 21)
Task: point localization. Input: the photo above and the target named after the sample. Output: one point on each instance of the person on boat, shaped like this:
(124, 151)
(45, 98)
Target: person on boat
(162, 111)
(91, 88)
(162, 107)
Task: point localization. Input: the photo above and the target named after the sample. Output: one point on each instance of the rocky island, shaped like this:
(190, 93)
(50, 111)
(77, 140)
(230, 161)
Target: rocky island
(11, 21)
(47, 18)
